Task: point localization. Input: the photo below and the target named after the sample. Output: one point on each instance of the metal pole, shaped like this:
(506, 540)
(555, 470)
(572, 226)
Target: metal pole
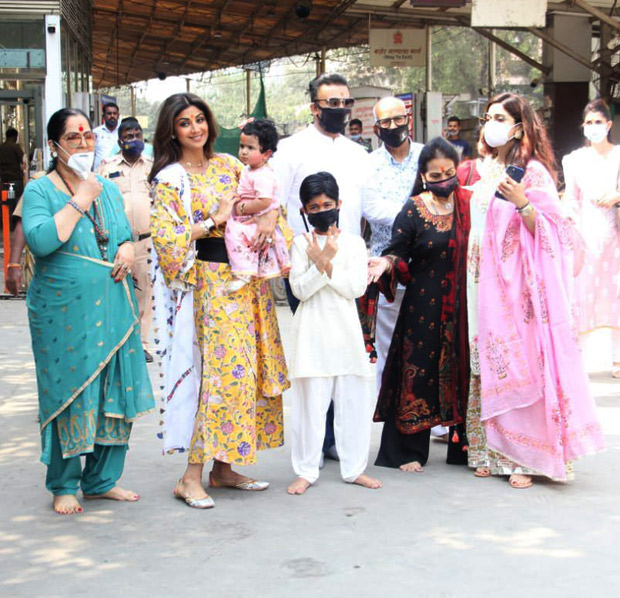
(429, 58)
(492, 67)
(132, 96)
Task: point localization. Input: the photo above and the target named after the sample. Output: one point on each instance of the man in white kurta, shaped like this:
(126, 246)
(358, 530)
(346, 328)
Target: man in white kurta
(328, 359)
(315, 149)
(318, 148)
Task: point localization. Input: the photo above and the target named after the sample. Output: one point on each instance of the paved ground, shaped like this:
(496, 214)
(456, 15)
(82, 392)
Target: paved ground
(440, 534)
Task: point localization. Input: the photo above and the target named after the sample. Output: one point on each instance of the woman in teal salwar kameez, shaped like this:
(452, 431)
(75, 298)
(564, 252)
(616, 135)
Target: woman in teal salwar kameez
(91, 373)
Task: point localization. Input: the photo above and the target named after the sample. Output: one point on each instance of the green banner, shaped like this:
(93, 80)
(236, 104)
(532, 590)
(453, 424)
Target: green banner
(227, 141)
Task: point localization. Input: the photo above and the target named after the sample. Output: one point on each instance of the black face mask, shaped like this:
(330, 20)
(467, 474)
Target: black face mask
(443, 188)
(333, 119)
(394, 137)
(321, 221)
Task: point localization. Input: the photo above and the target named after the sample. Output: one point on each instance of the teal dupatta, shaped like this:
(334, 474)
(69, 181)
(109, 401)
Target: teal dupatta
(91, 373)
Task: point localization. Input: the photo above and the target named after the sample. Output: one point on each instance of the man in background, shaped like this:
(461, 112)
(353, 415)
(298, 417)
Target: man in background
(106, 134)
(453, 135)
(12, 165)
(355, 134)
(129, 170)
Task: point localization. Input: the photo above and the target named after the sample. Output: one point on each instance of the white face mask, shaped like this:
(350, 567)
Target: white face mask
(497, 134)
(81, 163)
(595, 133)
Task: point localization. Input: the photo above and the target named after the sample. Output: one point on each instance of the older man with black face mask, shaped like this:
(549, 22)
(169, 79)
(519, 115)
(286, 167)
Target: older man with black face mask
(393, 170)
(322, 147)
(130, 170)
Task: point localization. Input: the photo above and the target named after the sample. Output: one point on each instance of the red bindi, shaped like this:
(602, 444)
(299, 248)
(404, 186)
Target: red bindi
(80, 129)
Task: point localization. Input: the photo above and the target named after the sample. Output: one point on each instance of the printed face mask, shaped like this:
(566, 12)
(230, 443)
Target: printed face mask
(497, 134)
(81, 163)
(334, 119)
(321, 221)
(132, 148)
(595, 133)
(394, 137)
(443, 188)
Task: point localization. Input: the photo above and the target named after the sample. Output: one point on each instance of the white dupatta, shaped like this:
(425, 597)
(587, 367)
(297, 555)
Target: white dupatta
(175, 335)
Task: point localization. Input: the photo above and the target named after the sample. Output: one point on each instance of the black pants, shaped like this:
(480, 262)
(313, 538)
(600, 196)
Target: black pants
(397, 448)
(330, 437)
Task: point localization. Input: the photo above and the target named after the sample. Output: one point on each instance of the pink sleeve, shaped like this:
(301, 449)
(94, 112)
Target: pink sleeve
(264, 183)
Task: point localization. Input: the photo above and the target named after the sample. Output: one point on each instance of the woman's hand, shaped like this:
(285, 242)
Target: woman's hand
(123, 262)
(313, 250)
(265, 226)
(225, 209)
(377, 266)
(609, 200)
(87, 191)
(513, 192)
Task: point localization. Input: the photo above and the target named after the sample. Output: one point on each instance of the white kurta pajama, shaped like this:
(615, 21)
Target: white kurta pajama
(328, 359)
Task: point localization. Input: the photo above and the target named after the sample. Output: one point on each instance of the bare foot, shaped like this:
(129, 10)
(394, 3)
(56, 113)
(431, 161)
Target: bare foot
(482, 472)
(299, 486)
(413, 466)
(67, 504)
(116, 493)
(520, 481)
(368, 482)
(190, 489)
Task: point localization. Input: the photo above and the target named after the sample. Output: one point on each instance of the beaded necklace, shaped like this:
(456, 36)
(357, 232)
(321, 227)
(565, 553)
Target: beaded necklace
(101, 235)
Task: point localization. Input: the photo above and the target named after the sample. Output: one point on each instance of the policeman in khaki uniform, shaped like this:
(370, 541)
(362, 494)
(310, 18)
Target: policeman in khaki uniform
(129, 170)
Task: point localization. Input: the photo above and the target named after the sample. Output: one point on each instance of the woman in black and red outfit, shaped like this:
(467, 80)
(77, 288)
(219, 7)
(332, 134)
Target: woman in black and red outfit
(426, 378)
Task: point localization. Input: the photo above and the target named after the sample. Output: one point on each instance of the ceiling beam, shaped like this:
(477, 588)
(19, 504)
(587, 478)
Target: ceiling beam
(510, 48)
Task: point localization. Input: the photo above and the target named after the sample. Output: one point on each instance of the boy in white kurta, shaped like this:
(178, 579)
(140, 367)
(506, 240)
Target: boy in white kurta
(328, 359)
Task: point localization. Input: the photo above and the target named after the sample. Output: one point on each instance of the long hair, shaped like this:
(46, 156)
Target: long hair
(435, 148)
(534, 142)
(166, 148)
(57, 125)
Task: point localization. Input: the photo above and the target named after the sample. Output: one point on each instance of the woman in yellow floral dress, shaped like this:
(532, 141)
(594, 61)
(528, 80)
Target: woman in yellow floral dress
(222, 362)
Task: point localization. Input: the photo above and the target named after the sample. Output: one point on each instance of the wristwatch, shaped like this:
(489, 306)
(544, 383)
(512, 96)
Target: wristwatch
(207, 225)
(525, 210)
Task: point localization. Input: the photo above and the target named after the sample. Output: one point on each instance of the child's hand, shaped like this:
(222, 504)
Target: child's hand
(313, 250)
(331, 246)
(376, 268)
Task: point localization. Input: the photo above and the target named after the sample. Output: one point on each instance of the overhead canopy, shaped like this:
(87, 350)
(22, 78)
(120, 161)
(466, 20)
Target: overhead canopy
(135, 40)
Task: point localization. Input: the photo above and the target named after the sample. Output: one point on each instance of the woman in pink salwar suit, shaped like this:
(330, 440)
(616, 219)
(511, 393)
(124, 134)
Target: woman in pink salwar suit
(530, 410)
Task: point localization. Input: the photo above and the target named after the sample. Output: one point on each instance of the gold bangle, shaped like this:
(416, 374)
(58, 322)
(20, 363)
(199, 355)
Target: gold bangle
(14, 265)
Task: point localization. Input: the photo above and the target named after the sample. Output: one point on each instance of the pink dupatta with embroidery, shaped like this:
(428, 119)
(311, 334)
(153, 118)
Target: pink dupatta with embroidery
(536, 403)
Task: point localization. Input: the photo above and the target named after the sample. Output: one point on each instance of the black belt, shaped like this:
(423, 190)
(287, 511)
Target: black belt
(143, 236)
(212, 249)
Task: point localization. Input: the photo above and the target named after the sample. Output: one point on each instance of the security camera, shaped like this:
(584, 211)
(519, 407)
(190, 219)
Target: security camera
(51, 29)
(161, 76)
(303, 8)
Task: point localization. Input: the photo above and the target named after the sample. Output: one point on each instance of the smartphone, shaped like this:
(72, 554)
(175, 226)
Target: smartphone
(515, 173)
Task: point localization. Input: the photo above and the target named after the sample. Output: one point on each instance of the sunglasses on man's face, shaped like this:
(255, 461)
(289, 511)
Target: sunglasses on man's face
(337, 102)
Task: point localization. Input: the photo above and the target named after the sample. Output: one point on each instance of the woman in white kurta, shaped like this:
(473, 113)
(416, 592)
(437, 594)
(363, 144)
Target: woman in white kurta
(592, 174)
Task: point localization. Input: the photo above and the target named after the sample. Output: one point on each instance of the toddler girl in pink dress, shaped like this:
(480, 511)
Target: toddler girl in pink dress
(257, 196)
